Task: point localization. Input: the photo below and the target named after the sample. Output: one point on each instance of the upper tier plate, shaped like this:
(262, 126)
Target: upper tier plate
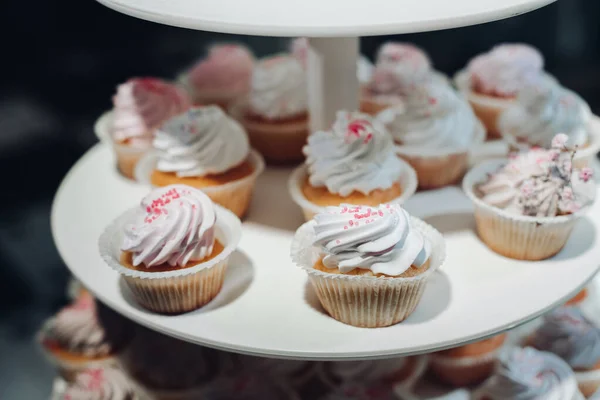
(267, 306)
(322, 18)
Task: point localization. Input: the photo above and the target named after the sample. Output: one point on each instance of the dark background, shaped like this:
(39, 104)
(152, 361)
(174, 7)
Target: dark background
(60, 62)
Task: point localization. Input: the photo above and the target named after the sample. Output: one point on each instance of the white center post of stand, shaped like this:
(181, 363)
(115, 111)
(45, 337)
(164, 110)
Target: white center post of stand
(332, 81)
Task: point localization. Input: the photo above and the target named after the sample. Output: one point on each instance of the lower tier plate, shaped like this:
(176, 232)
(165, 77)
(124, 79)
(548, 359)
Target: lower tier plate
(267, 307)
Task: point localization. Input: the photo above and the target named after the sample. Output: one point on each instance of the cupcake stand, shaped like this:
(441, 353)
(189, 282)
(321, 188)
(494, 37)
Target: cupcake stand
(267, 306)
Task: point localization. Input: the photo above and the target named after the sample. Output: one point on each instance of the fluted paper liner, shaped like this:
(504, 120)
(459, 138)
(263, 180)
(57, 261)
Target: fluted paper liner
(235, 195)
(516, 236)
(366, 301)
(179, 290)
(408, 183)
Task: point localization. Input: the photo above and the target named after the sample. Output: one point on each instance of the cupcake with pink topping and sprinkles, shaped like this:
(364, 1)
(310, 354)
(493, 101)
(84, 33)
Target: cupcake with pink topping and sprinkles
(492, 80)
(527, 206)
(173, 249)
(222, 77)
(368, 265)
(140, 107)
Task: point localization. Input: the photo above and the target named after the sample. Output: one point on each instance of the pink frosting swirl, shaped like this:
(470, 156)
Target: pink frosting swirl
(141, 105)
(100, 384)
(176, 225)
(505, 69)
(228, 68)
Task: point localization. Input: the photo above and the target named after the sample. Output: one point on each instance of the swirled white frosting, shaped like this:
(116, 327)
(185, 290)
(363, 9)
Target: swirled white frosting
(100, 384)
(175, 225)
(356, 155)
(380, 239)
(141, 105)
(568, 334)
(201, 141)
(278, 88)
(76, 328)
(432, 116)
(505, 69)
(528, 374)
(539, 183)
(544, 110)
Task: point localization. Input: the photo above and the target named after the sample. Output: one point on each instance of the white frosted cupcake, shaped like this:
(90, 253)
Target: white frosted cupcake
(140, 107)
(492, 80)
(353, 163)
(206, 149)
(173, 249)
(527, 206)
(275, 113)
(368, 265)
(435, 129)
(109, 383)
(544, 110)
(528, 374)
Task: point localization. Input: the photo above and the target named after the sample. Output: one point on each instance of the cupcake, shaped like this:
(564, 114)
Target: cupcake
(542, 111)
(528, 374)
(404, 371)
(293, 372)
(568, 334)
(358, 390)
(353, 163)
(222, 77)
(579, 298)
(469, 364)
(140, 106)
(247, 387)
(368, 265)
(527, 206)
(426, 389)
(275, 112)
(492, 80)
(109, 383)
(82, 335)
(435, 129)
(172, 250)
(205, 149)
(398, 67)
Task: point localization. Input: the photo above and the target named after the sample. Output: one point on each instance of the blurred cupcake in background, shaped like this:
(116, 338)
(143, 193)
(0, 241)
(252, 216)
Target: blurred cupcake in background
(222, 77)
(568, 334)
(108, 383)
(353, 163)
(140, 107)
(275, 114)
(247, 386)
(492, 80)
(359, 390)
(435, 130)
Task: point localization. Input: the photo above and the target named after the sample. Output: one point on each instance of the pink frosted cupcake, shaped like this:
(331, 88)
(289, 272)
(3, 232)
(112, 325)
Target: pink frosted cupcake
(222, 77)
(81, 337)
(172, 270)
(140, 106)
(275, 113)
(107, 383)
(527, 206)
(492, 80)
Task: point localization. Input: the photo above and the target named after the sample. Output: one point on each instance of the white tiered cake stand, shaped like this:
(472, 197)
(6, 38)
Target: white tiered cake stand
(267, 307)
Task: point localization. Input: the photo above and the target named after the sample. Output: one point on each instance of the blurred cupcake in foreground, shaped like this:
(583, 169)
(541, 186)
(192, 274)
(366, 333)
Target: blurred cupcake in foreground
(493, 80)
(435, 129)
(109, 383)
(368, 265)
(359, 390)
(140, 107)
(469, 364)
(275, 113)
(527, 206)
(568, 334)
(244, 386)
(353, 163)
(544, 110)
(426, 389)
(293, 372)
(528, 374)
(206, 149)
(399, 67)
(83, 335)
(172, 250)
(222, 77)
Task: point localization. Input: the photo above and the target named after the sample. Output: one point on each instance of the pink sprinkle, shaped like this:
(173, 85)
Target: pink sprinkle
(351, 222)
(345, 227)
(337, 241)
(380, 213)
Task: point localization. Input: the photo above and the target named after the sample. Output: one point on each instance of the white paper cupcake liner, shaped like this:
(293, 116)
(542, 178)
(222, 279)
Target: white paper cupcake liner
(235, 195)
(408, 182)
(516, 236)
(179, 290)
(366, 301)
